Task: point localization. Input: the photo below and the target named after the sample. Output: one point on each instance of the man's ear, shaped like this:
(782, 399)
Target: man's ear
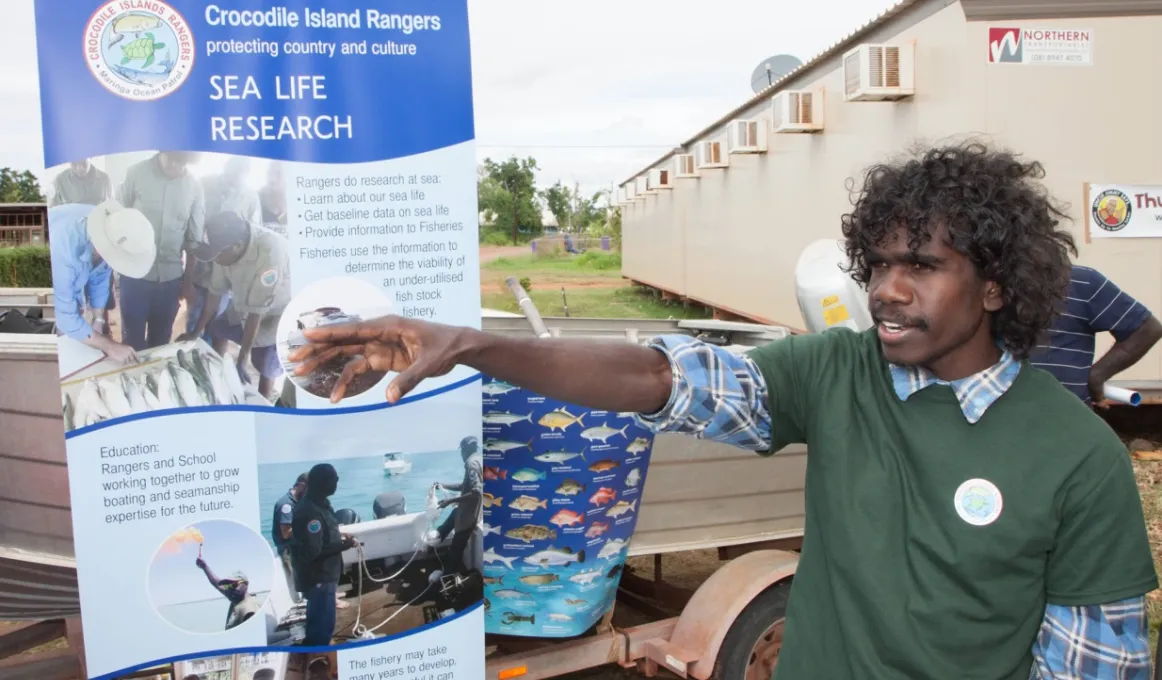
(993, 299)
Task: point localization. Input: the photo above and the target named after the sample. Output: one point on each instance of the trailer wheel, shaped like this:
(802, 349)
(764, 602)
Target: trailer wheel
(751, 646)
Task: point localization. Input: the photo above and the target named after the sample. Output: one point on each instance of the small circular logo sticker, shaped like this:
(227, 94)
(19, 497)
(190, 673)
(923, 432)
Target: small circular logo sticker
(978, 502)
(140, 54)
(269, 277)
(314, 526)
(1111, 210)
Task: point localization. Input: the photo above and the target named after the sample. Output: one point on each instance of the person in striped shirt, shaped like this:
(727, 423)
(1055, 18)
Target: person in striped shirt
(1095, 304)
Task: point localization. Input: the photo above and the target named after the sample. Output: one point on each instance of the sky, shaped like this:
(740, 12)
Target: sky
(593, 90)
(174, 576)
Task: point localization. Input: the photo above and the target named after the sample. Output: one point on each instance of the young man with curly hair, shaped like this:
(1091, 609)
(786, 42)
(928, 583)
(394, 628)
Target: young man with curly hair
(966, 516)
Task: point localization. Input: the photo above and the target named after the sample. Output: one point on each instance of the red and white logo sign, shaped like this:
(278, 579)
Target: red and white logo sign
(1020, 45)
(1004, 45)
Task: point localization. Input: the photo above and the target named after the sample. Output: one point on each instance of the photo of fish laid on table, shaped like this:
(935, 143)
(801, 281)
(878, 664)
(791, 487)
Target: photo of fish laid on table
(187, 379)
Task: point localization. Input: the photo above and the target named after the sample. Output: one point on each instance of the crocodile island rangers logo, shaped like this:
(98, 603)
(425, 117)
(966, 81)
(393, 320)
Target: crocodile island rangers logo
(139, 49)
(978, 502)
(1111, 210)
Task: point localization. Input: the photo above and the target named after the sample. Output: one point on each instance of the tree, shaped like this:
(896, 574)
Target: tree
(19, 187)
(589, 213)
(508, 190)
(560, 202)
(567, 205)
(615, 226)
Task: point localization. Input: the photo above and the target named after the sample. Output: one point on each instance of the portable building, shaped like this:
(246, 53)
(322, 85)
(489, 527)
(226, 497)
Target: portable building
(1063, 82)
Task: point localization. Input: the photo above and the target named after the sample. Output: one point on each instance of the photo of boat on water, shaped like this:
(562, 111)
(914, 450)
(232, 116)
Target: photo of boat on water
(404, 505)
(362, 481)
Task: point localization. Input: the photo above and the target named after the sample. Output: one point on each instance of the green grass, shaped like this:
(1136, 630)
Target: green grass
(590, 263)
(606, 303)
(547, 275)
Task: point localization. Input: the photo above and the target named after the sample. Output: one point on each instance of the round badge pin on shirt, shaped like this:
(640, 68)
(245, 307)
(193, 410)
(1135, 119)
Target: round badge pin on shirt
(978, 502)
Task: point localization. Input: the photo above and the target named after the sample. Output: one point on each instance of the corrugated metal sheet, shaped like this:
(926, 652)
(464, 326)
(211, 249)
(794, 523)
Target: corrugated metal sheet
(996, 10)
(835, 49)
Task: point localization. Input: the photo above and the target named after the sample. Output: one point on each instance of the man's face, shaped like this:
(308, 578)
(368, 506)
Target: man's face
(230, 255)
(467, 449)
(80, 167)
(930, 307)
(236, 169)
(173, 164)
(299, 488)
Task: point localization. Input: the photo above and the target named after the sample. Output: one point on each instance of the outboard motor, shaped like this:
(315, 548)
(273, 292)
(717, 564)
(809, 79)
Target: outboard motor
(346, 517)
(388, 504)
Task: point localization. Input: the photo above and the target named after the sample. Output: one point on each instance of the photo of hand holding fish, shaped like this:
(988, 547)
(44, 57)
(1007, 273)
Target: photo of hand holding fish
(314, 307)
(562, 491)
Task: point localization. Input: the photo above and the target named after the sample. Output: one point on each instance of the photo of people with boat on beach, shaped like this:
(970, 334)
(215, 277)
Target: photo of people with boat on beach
(328, 302)
(374, 518)
(170, 272)
(211, 576)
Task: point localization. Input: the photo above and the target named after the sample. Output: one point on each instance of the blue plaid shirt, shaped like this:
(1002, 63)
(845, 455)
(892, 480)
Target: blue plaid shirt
(721, 396)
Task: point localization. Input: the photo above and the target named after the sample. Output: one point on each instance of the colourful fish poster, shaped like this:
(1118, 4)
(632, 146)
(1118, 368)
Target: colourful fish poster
(227, 177)
(563, 489)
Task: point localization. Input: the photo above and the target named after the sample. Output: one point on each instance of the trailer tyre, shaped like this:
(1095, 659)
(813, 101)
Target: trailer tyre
(751, 646)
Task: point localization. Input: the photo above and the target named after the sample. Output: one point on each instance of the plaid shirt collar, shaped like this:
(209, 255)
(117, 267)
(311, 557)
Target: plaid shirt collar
(975, 393)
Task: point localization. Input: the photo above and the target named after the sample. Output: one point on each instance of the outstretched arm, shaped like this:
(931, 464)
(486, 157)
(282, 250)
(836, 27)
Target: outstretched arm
(209, 574)
(676, 384)
(618, 376)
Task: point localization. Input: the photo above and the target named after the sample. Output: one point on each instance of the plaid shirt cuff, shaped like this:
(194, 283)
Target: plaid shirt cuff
(716, 394)
(1094, 642)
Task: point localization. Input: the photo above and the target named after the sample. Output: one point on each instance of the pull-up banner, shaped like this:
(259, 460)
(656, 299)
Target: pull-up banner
(226, 176)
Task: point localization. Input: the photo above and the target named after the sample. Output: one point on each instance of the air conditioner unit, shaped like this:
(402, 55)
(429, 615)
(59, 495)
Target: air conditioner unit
(708, 154)
(658, 179)
(797, 111)
(879, 72)
(746, 136)
(684, 165)
(640, 188)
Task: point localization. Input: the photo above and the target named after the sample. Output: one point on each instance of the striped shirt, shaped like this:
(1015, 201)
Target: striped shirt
(1094, 304)
(721, 396)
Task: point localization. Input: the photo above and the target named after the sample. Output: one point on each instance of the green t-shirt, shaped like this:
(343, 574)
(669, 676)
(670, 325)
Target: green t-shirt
(892, 582)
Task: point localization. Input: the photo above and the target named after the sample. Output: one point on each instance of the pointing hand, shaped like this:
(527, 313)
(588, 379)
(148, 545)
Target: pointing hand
(414, 349)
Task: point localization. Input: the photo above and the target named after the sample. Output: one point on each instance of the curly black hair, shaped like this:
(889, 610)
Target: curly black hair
(997, 216)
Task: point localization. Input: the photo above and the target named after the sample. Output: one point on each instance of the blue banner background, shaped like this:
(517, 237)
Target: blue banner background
(552, 564)
(428, 94)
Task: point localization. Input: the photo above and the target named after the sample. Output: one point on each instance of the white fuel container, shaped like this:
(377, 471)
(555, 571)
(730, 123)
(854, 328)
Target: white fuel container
(827, 295)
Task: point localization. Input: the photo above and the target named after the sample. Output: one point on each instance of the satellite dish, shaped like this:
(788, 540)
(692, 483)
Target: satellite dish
(771, 69)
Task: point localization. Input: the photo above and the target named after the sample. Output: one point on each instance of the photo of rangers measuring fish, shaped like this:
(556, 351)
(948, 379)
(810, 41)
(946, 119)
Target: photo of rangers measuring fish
(201, 282)
(381, 536)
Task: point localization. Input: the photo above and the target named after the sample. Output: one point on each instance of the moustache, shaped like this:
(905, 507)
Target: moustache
(880, 315)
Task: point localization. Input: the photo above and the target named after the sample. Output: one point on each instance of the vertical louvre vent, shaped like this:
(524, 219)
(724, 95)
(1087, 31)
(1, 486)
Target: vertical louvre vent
(851, 73)
(891, 60)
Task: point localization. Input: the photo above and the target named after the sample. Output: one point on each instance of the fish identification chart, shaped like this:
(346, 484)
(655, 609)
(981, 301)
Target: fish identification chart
(563, 489)
(232, 178)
